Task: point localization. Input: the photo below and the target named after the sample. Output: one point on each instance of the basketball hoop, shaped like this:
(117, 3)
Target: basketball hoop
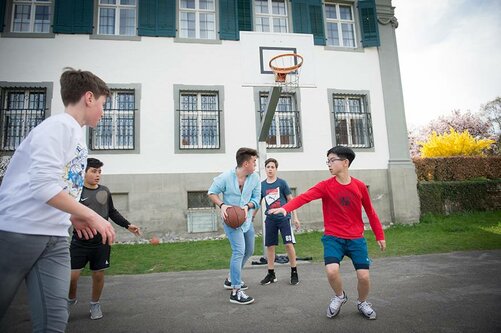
(286, 68)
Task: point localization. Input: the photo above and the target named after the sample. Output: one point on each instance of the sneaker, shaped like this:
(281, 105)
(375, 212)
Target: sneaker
(367, 310)
(240, 298)
(72, 301)
(95, 311)
(227, 285)
(294, 278)
(335, 306)
(269, 278)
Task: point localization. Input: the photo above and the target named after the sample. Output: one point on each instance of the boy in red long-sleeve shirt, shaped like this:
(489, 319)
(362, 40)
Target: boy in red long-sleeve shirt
(342, 199)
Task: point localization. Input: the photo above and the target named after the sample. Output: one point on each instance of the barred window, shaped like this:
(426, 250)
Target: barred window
(116, 130)
(197, 19)
(199, 120)
(31, 16)
(285, 127)
(22, 109)
(117, 17)
(271, 15)
(340, 25)
(353, 124)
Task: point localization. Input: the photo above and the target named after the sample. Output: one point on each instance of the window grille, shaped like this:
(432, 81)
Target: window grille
(197, 19)
(285, 127)
(22, 109)
(116, 130)
(117, 17)
(199, 120)
(271, 15)
(353, 123)
(202, 215)
(31, 16)
(340, 25)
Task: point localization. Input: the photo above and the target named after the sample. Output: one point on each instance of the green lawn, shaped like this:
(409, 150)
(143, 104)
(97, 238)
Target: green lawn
(434, 234)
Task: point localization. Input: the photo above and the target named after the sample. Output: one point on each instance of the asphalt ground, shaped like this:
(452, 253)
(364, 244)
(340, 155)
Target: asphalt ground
(452, 292)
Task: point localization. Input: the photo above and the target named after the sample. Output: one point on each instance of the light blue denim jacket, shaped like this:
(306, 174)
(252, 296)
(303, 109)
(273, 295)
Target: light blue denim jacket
(227, 184)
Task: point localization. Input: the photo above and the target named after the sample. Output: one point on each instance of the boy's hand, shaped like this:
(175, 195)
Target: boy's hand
(297, 224)
(92, 225)
(82, 228)
(134, 229)
(382, 244)
(276, 211)
(224, 207)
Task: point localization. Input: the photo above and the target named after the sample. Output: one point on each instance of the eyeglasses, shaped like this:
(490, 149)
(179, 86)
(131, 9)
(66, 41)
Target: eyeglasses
(332, 160)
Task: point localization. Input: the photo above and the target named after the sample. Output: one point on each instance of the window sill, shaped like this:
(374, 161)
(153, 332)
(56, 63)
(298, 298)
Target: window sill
(28, 35)
(343, 49)
(197, 41)
(116, 37)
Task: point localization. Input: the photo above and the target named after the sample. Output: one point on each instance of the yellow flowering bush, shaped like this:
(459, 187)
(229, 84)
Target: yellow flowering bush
(453, 144)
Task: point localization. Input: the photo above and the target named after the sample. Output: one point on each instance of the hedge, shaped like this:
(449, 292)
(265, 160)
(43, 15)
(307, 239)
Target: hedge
(457, 168)
(445, 197)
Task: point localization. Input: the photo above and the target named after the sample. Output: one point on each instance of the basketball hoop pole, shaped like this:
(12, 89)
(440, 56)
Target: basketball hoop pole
(264, 130)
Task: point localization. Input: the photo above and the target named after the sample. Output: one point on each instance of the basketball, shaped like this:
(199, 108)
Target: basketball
(235, 216)
(154, 240)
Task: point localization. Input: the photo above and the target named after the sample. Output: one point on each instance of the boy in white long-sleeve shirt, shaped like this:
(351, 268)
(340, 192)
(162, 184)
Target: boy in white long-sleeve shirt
(38, 199)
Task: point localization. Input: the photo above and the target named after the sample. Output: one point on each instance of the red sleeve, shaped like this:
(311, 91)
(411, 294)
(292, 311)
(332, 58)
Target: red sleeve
(376, 226)
(313, 193)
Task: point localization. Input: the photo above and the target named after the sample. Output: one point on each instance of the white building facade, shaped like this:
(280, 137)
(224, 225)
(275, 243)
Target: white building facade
(190, 79)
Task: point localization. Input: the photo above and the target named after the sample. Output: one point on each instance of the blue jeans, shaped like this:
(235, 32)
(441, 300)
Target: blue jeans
(242, 247)
(43, 262)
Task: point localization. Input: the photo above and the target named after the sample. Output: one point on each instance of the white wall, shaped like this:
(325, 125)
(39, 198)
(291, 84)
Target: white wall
(159, 63)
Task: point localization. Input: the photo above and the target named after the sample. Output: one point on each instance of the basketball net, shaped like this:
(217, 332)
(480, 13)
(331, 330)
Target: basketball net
(287, 69)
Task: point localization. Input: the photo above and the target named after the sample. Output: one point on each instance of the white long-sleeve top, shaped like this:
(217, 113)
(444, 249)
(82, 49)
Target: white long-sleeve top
(52, 158)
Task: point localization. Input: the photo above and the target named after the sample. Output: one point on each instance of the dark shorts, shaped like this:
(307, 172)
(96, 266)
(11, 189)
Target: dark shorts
(273, 227)
(97, 257)
(336, 248)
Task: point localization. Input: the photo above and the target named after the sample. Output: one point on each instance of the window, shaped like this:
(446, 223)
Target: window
(284, 130)
(202, 216)
(199, 120)
(352, 121)
(117, 17)
(117, 128)
(197, 19)
(22, 109)
(31, 16)
(271, 15)
(340, 25)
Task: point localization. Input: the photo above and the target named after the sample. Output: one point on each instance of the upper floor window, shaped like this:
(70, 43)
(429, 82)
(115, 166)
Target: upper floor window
(340, 25)
(352, 121)
(197, 19)
(31, 16)
(271, 15)
(21, 110)
(116, 130)
(199, 120)
(117, 17)
(285, 127)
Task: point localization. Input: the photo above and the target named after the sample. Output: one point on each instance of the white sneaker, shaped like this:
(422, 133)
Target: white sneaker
(95, 311)
(367, 310)
(72, 301)
(240, 298)
(335, 306)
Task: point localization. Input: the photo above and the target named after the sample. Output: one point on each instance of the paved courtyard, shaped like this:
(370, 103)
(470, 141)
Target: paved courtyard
(453, 292)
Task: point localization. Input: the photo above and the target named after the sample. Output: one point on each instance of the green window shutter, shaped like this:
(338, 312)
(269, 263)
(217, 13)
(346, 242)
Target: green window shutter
(228, 20)
(307, 18)
(73, 17)
(368, 23)
(244, 15)
(301, 17)
(157, 18)
(317, 22)
(2, 13)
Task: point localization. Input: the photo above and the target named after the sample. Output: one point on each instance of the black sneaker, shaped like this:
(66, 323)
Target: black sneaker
(294, 278)
(269, 278)
(227, 285)
(240, 298)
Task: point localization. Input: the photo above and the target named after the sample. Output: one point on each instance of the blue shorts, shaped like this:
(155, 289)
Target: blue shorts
(336, 248)
(272, 228)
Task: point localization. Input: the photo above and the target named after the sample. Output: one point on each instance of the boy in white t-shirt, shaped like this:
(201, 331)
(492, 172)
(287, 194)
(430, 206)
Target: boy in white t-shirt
(38, 199)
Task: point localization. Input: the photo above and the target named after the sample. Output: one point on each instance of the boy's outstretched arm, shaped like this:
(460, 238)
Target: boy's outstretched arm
(85, 221)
